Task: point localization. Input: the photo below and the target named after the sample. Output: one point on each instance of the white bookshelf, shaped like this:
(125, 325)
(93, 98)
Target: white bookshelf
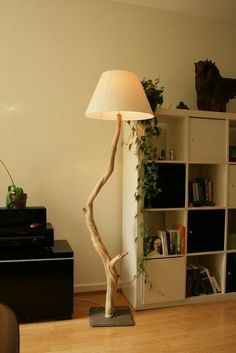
(200, 141)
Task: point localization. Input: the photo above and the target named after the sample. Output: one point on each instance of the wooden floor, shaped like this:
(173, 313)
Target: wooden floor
(198, 328)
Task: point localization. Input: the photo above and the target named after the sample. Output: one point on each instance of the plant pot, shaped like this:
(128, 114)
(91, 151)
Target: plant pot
(21, 203)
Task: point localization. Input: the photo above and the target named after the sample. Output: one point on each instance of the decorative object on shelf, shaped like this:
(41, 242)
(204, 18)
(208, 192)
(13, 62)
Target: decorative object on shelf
(213, 90)
(181, 105)
(118, 96)
(15, 198)
(162, 156)
(171, 155)
(154, 246)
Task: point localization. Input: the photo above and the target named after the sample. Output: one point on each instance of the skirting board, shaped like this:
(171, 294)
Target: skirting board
(91, 287)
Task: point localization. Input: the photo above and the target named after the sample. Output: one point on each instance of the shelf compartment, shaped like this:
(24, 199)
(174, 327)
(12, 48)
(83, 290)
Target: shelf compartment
(171, 181)
(206, 229)
(214, 173)
(173, 137)
(157, 244)
(196, 284)
(161, 220)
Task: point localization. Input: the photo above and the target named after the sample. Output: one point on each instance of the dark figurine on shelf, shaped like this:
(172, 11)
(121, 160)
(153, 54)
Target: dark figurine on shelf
(181, 105)
(213, 90)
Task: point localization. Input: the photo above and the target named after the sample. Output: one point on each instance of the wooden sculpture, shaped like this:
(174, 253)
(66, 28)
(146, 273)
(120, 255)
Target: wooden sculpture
(213, 90)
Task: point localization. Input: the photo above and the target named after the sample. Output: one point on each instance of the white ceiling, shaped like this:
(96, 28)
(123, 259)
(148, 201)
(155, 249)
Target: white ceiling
(221, 9)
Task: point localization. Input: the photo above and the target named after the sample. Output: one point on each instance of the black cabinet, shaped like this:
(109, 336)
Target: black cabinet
(205, 230)
(231, 273)
(38, 283)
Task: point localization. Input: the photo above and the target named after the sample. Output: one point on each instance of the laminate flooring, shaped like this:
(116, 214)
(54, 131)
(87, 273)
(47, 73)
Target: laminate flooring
(195, 328)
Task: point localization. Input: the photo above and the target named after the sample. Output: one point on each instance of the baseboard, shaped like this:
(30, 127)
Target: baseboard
(91, 287)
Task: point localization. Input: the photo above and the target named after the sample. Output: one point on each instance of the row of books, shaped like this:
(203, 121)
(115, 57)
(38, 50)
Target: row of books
(201, 192)
(166, 242)
(200, 280)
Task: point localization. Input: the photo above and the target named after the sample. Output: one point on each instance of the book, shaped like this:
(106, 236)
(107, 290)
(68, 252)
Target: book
(195, 193)
(196, 285)
(201, 192)
(206, 191)
(215, 284)
(177, 241)
(207, 287)
(200, 280)
(163, 236)
(170, 242)
(210, 278)
(210, 191)
(182, 231)
(190, 193)
(189, 281)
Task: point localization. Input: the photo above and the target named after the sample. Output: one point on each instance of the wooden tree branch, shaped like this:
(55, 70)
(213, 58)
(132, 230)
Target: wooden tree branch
(108, 262)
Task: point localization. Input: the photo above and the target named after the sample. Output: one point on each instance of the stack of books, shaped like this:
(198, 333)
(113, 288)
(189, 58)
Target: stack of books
(200, 280)
(201, 192)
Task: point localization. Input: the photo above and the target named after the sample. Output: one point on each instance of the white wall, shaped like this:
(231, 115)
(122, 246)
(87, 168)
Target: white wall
(52, 54)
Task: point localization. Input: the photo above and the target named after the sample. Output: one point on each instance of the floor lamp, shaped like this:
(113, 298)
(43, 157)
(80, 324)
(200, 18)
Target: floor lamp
(119, 96)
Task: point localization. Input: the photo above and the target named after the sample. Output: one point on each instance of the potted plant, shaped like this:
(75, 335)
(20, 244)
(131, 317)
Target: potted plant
(15, 198)
(153, 92)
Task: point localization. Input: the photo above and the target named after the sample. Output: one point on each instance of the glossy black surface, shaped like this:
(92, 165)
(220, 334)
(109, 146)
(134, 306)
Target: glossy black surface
(171, 181)
(231, 273)
(22, 217)
(61, 248)
(38, 285)
(205, 230)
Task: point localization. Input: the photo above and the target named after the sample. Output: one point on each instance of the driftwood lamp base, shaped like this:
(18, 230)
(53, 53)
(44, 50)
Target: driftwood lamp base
(122, 317)
(109, 262)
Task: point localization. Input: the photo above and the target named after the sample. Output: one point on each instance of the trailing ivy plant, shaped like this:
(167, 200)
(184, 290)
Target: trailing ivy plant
(143, 137)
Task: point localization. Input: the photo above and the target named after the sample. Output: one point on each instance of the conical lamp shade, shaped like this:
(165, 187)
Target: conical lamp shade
(121, 92)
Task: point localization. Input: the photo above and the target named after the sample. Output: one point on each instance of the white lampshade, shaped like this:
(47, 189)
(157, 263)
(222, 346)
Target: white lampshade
(121, 92)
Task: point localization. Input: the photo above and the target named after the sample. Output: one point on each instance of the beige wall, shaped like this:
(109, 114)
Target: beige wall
(52, 53)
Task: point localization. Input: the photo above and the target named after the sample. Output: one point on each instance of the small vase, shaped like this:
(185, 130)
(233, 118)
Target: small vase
(21, 203)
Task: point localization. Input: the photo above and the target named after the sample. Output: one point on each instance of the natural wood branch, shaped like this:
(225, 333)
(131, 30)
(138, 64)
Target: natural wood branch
(108, 262)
